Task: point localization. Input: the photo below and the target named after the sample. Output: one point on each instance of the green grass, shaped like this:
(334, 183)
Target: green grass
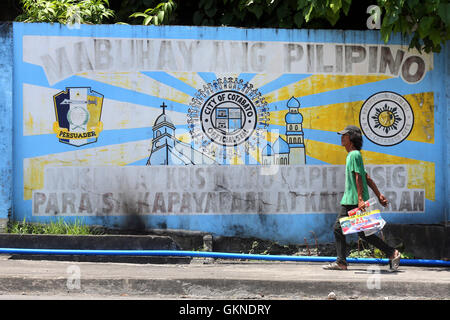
(58, 226)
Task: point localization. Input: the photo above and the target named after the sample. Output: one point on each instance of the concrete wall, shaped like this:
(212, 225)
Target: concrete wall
(168, 127)
(6, 120)
(447, 97)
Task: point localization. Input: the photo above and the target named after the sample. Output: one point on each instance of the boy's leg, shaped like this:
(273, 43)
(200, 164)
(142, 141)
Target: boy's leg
(341, 243)
(378, 243)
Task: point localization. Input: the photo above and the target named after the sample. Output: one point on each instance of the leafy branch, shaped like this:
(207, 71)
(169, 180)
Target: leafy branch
(158, 15)
(65, 11)
(427, 21)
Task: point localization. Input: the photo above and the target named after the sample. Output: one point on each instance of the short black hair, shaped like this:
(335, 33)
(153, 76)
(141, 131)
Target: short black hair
(356, 140)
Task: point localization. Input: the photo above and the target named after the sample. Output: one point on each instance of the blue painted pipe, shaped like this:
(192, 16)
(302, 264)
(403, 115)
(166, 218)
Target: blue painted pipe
(221, 255)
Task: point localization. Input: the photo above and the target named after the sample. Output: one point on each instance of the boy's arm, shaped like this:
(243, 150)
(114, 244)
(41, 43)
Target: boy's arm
(359, 188)
(381, 198)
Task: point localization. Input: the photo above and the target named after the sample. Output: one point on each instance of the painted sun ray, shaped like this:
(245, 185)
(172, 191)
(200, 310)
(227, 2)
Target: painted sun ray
(49, 144)
(171, 81)
(139, 82)
(121, 94)
(331, 117)
(207, 77)
(192, 79)
(256, 152)
(261, 79)
(320, 83)
(112, 155)
(247, 77)
(408, 151)
(35, 75)
(281, 82)
(39, 121)
(421, 174)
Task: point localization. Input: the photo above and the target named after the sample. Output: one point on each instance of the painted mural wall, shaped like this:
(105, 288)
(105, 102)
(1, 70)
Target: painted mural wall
(225, 130)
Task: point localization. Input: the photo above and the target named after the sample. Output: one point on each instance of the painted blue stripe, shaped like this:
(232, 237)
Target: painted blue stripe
(409, 149)
(49, 143)
(363, 91)
(171, 81)
(282, 81)
(142, 162)
(357, 93)
(35, 75)
(311, 160)
(406, 149)
(247, 76)
(207, 76)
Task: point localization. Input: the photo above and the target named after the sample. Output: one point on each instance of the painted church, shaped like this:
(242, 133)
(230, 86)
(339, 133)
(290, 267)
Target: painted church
(166, 149)
(292, 149)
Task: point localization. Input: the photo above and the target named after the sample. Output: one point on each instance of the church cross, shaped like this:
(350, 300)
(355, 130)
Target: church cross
(163, 106)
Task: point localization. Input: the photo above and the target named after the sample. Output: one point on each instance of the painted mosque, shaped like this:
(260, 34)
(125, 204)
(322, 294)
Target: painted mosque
(166, 149)
(292, 149)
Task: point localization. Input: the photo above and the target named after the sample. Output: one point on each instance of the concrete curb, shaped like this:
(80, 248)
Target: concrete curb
(205, 279)
(226, 288)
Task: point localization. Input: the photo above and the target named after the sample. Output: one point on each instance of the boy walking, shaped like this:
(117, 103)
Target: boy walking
(355, 195)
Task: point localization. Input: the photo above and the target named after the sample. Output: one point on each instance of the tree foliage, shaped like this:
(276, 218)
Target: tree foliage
(425, 22)
(65, 11)
(160, 14)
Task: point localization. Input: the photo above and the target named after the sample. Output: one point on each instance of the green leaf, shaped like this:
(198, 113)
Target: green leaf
(336, 5)
(310, 10)
(385, 33)
(412, 4)
(332, 17)
(257, 10)
(425, 26)
(138, 14)
(147, 20)
(198, 17)
(209, 4)
(211, 12)
(444, 12)
(298, 19)
(160, 16)
(301, 4)
(435, 37)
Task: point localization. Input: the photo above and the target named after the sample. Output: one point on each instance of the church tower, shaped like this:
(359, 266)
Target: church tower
(294, 133)
(163, 140)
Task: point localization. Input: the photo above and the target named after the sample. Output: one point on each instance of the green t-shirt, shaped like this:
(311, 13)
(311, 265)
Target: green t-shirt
(354, 163)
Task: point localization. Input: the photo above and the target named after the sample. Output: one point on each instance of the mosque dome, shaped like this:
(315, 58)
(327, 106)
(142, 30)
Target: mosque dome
(267, 151)
(281, 146)
(293, 103)
(293, 118)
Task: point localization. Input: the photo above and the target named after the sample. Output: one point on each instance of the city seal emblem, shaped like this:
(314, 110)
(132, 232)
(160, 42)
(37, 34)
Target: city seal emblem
(226, 113)
(228, 117)
(386, 118)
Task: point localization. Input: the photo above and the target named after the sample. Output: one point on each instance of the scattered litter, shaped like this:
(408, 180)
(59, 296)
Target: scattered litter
(331, 296)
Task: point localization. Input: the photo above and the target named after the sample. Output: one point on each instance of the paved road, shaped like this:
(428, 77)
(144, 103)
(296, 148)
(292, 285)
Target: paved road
(217, 279)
